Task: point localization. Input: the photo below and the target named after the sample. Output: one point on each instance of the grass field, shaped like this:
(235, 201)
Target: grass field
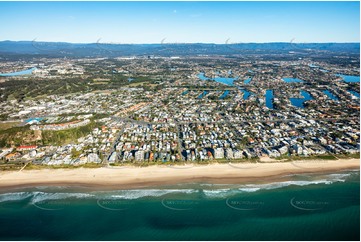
(8, 125)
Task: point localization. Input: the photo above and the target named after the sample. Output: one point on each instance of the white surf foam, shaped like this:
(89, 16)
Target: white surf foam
(44, 196)
(248, 188)
(39, 196)
(15, 196)
(135, 194)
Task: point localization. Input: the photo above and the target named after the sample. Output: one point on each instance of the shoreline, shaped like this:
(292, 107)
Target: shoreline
(136, 177)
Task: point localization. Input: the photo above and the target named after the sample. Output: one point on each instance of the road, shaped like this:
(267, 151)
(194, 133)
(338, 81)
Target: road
(232, 122)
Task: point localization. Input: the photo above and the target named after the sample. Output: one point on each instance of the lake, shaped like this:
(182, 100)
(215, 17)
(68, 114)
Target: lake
(225, 80)
(298, 102)
(290, 80)
(349, 79)
(313, 66)
(269, 99)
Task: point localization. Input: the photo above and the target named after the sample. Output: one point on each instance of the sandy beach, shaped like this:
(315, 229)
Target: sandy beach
(134, 177)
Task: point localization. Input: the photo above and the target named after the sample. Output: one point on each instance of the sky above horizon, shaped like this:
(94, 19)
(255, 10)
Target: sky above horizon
(180, 22)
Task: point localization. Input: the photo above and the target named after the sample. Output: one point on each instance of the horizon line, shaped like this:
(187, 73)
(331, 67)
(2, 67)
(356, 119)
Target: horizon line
(179, 43)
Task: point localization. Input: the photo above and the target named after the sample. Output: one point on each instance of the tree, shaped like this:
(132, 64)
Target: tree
(75, 153)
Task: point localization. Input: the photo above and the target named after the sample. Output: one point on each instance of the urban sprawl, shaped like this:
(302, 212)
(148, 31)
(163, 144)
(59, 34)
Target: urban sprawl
(150, 109)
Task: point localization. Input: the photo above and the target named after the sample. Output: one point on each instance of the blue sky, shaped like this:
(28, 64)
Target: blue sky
(180, 22)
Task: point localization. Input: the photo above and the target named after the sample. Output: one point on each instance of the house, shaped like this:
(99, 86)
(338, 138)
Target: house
(218, 153)
(11, 156)
(26, 147)
(139, 155)
(112, 157)
(229, 153)
(5, 152)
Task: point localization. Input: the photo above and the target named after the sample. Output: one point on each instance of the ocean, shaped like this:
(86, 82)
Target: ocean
(297, 207)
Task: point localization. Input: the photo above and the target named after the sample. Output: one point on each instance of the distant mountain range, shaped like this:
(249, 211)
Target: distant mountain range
(113, 50)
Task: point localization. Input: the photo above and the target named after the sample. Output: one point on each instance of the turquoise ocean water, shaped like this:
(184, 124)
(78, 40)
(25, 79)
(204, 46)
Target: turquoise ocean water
(298, 207)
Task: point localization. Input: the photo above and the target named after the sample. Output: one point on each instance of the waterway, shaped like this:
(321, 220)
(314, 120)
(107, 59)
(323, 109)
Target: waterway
(349, 79)
(224, 95)
(19, 73)
(290, 80)
(269, 99)
(246, 93)
(225, 80)
(356, 94)
(247, 81)
(330, 95)
(299, 102)
(202, 94)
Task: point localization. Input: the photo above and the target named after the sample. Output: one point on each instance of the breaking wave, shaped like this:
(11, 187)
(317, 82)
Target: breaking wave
(40, 196)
